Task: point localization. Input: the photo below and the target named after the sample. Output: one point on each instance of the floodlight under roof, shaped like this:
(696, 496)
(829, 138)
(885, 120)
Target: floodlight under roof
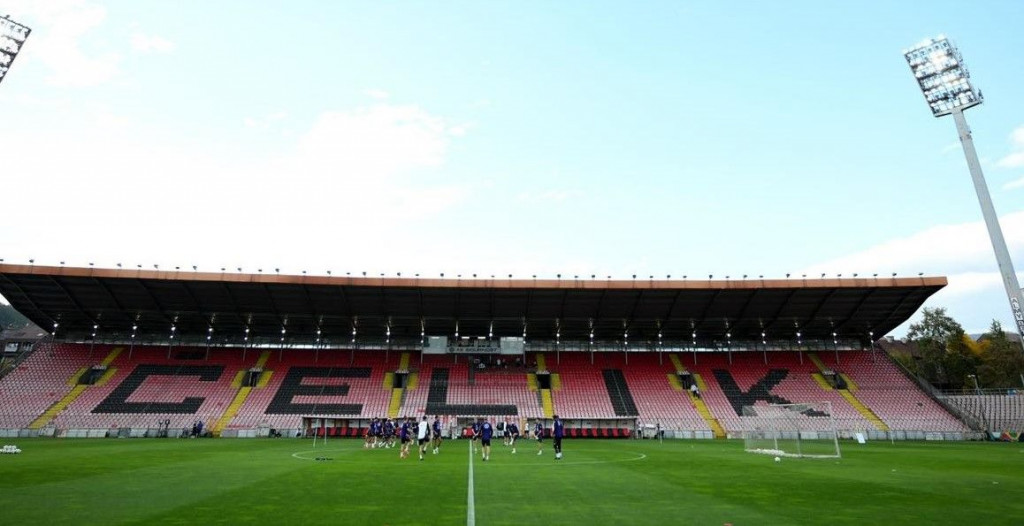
(12, 38)
(942, 76)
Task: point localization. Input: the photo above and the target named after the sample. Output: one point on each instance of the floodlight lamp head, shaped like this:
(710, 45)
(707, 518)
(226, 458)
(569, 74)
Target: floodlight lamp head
(12, 38)
(942, 76)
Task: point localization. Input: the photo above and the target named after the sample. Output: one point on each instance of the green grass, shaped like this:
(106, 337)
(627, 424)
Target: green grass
(169, 481)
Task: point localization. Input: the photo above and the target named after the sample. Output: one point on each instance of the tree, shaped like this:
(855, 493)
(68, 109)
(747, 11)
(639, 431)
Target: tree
(1002, 362)
(10, 318)
(946, 359)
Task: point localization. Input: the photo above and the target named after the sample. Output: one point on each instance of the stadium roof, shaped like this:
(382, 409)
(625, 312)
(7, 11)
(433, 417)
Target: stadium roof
(567, 309)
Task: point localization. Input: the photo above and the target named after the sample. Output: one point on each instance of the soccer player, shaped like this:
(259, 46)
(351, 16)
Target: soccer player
(476, 434)
(389, 433)
(557, 431)
(373, 432)
(513, 432)
(538, 433)
(437, 434)
(486, 431)
(506, 433)
(376, 430)
(422, 435)
(404, 436)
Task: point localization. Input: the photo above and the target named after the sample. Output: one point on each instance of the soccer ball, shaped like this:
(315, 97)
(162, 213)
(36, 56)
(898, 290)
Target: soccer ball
(777, 459)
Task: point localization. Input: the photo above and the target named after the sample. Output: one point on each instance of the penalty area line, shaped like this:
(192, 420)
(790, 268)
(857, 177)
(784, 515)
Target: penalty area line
(470, 504)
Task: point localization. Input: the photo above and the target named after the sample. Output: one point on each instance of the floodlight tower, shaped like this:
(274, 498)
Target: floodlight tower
(946, 85)
(12, 37)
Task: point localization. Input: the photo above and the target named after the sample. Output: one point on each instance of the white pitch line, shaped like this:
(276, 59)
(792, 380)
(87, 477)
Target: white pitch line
(470, 505)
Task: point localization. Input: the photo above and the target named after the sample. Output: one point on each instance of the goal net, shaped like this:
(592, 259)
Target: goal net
(791, 430)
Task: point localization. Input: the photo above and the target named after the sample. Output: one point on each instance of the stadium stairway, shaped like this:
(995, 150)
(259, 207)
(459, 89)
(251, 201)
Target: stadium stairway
(62, 404)
(847, 393)
(397, 393)
(547, 402)
(697, 401)
(243, 393)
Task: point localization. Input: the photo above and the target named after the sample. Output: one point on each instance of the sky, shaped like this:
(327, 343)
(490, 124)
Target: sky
(525, 138)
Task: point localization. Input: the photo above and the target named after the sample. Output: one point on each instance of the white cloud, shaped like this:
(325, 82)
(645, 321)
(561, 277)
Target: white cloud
(953, 146)
(377, 94)
(968, 283)
(263, 123)
(548, 196)
(1017, 137)
(352, 182)
(374, 142)
(941, 249)
(1016, 183)
(1016, 158)
(972, 298)
(961, 252)
(143, 43)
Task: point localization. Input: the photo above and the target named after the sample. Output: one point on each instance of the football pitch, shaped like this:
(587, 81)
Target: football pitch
(287, 481)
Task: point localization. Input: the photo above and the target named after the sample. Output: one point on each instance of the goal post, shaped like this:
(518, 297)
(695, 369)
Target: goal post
(315, 425)
(805, 430)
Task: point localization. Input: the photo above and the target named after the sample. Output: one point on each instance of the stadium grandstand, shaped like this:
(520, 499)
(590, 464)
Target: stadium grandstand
(133, 352)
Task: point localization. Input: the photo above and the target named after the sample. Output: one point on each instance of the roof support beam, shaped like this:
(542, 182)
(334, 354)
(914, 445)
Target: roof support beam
(273, 305)
(632, 310)
(28, 299)
(707, 309)
(236, 308)
(318, 317)
(192, 296)
(856, 309)
(561, 309)
(596, 318)
(899, 306)
(778, 312)
(821, 305)
(156, 302)
(746, 305)
(671, 308)
(74, 301)
(103, 286)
